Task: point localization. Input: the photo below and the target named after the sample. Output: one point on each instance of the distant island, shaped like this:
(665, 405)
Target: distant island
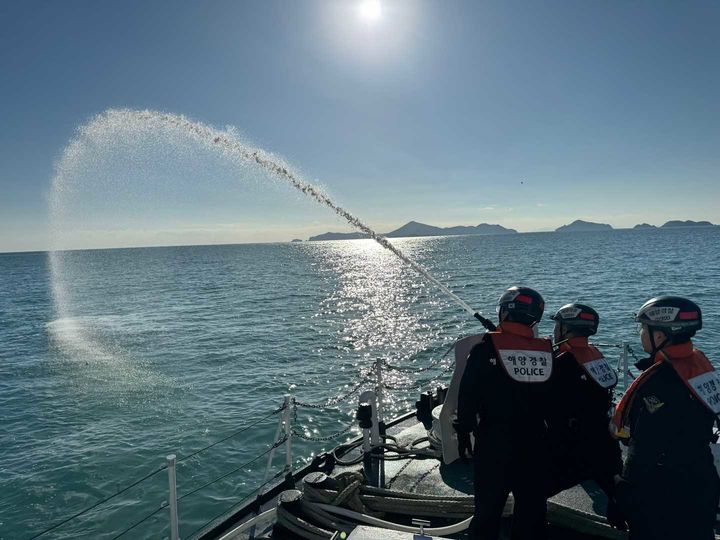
(686, 223)
(580, 225)
(413, 228)
(675, 224)
(296, 240)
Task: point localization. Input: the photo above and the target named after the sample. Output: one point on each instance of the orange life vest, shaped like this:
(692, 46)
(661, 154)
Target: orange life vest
(693, 368)
(591, 360)
(524, 357)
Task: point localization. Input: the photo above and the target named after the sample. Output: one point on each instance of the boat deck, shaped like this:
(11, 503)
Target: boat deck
(576, 514)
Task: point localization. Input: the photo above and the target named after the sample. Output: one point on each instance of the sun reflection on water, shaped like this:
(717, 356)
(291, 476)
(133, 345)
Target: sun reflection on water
(378, 308)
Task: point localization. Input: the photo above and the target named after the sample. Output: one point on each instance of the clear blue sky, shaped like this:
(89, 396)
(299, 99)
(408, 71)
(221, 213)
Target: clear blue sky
(435, 111)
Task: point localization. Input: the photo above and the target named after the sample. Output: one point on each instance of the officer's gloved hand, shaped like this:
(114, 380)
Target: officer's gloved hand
(615, 516)
(464, 446)
(645, 363)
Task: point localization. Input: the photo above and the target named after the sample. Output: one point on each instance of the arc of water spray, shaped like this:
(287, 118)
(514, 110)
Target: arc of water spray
(319, 196)
(312, 191)
(234, 148)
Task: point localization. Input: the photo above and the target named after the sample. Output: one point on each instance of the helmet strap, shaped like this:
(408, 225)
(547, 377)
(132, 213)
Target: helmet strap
(656, 348)
(563, 332)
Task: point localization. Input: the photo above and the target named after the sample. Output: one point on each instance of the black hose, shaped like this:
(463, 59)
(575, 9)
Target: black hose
(487, 323)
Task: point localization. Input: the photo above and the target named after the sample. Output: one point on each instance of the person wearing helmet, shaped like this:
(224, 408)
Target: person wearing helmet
(505, 385)
(669, 487)
(581, 446)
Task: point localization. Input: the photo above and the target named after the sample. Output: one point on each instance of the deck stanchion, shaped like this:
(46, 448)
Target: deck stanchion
(271, 455)
(288, 431)
(625, 360)
(364, 417)
(379, 389)
(375, 429)
(172, 498)
(378, 430)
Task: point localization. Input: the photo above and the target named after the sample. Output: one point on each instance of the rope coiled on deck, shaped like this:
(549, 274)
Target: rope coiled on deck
(349, 489)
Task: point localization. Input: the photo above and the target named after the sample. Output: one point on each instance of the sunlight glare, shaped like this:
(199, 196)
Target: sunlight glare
(370, 10)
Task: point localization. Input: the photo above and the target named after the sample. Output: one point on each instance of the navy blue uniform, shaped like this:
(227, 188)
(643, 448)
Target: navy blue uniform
(581, 445)
(508, 420)
(669, 487)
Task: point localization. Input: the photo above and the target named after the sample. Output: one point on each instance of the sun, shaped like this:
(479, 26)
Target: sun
(370, 10)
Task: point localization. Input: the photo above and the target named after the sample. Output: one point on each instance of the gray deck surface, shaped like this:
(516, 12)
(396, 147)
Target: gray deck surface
(577, 513)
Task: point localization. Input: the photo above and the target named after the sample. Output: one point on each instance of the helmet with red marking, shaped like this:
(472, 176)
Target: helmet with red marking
(675, 316)
(522, 304)
(580, 319)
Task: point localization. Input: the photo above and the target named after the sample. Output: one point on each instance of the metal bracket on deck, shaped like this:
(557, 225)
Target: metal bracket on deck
(373, 462)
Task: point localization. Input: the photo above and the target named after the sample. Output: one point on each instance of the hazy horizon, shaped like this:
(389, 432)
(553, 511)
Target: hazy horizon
(292, 239)
(524, 114)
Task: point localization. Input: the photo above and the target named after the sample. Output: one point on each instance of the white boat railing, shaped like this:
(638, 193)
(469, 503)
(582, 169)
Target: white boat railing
(375, 378)
(172, 498)
(623, 364)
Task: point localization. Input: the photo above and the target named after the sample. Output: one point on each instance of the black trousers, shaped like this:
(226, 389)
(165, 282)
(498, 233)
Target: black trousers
(670, 503)
(502, 467)
(586, 455)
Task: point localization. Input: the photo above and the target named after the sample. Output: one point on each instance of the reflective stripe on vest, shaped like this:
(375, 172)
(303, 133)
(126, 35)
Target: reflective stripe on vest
(591, 360)
(699, 376)
(693, 368)
(524, 358)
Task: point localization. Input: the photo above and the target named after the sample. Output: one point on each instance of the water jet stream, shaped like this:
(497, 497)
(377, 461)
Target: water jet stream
(122, 120)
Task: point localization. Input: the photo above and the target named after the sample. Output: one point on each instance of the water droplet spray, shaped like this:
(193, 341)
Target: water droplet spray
(231, 147)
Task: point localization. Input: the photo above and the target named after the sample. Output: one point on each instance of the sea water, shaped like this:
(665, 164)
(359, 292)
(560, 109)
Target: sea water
(166, 350)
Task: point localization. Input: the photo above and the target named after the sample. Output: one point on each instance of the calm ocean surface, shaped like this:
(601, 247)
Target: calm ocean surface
(165, 350)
